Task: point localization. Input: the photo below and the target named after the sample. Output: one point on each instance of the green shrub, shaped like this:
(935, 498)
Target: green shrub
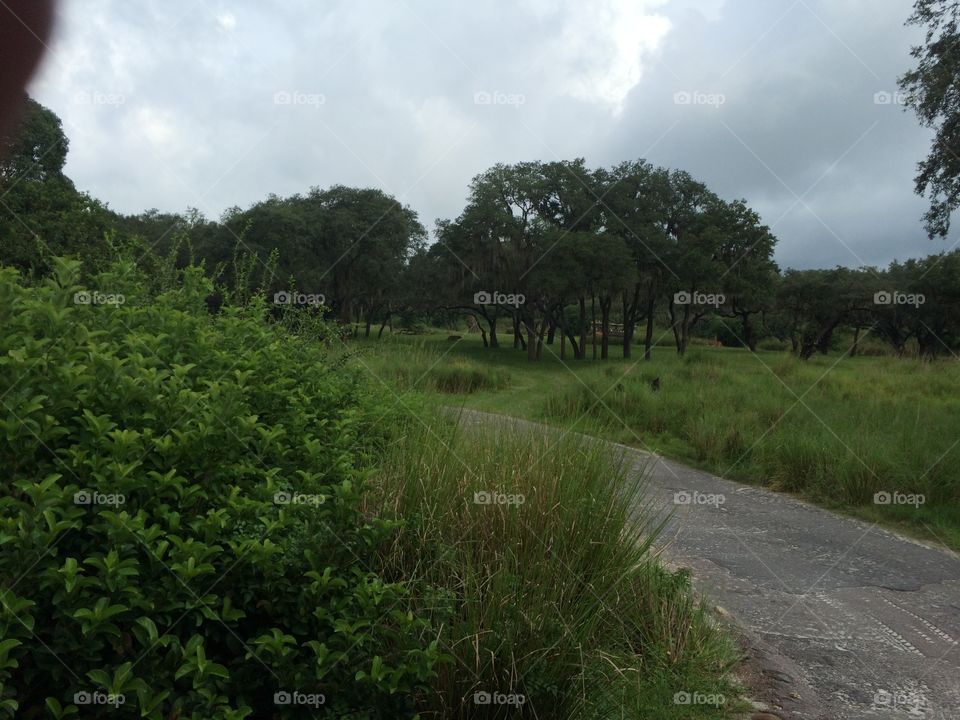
(181, 519)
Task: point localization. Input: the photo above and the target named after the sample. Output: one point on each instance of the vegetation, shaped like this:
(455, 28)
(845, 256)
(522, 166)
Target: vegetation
(541, 250)
(931, 90)
(181, 519)
(211, 511)
(837, 432)
(546, 547)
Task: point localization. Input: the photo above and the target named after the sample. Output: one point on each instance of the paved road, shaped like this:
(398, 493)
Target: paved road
(843, 620)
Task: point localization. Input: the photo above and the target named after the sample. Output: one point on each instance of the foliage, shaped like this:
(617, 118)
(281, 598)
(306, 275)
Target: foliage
(181, 518)
(41, 212)
(932, 89)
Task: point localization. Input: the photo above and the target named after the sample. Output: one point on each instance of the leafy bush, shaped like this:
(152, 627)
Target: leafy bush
(181, 520)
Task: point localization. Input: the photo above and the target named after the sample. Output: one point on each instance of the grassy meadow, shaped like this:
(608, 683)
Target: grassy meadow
(836, 430)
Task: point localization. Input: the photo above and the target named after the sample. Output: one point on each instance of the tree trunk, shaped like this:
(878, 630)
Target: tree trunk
(823, 343)
(684, 331)
(630, 319)
(582, 354)
(856, 342)
(674, 326)
(593, 325)
(483, 333)
(531, 339)
(749, 337)
(540, 335)
(605, 304)
(492, 322)
(651, 304)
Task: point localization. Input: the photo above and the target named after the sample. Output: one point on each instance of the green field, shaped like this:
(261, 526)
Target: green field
(832, 429)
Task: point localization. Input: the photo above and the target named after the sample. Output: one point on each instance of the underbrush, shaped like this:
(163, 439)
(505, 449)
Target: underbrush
(537, 553)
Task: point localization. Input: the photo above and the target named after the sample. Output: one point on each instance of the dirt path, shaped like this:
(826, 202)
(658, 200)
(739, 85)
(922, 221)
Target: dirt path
(842, 619)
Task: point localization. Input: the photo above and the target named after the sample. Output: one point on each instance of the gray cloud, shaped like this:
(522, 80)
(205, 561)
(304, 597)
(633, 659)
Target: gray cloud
(214, 104)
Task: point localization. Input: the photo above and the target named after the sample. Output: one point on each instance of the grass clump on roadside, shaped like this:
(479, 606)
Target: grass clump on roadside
(536, 553)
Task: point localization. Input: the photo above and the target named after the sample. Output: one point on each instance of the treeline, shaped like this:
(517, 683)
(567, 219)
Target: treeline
(627, 255)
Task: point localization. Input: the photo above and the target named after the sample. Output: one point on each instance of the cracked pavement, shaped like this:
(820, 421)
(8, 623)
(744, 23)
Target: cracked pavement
(841, 619)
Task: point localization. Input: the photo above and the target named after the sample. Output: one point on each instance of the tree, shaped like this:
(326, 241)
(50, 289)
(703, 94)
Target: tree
(349, 244)
(746, 251)
(932, 89)
(694, 221)
(635, 196)
(41, 212)
(820, 301)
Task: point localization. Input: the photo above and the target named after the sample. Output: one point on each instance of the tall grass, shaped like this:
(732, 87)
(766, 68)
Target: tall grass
(426, 367)
(838, 434)
(558, 597)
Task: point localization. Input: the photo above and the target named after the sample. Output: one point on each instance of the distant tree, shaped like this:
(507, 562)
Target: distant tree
(920, 301)
(36, 149)
(932, 89)
(695, 220)
(818, 302)
(748, 279)
(349, 244)
(41, 212)
(635, 196)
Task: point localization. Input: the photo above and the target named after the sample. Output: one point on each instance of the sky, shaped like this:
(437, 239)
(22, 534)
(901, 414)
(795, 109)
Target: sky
(788, 104)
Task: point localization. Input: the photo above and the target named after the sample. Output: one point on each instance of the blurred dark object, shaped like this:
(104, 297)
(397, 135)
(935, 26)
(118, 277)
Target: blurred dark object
(24, 34)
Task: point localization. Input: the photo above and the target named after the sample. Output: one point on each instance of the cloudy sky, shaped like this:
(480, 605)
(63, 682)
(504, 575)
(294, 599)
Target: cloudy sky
(212, 104)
